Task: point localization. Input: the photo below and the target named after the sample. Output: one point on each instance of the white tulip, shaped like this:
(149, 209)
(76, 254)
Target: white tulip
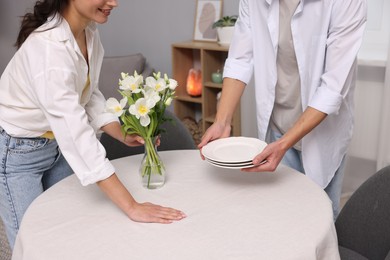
(131, 83)
(152, 97)
(115, 107)
(172, 84)
(140, 109)
(158, 85)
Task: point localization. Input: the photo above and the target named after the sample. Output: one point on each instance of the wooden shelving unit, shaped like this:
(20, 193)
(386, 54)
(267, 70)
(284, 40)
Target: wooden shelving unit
(208, 57)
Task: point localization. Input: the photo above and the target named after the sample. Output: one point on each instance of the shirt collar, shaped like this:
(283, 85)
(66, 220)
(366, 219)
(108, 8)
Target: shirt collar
(299, 8)
(269, 2)
(62, 31)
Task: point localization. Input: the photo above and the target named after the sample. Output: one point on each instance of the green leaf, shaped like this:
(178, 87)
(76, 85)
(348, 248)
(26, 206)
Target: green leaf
(229, 20)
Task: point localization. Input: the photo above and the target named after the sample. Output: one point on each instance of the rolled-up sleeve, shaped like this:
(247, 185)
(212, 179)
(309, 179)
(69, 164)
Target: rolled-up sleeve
(69, 122)
(343, 43)
(239, 64)
(95, 111)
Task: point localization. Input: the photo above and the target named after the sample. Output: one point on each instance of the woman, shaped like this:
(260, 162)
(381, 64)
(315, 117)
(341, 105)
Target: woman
(50, 106)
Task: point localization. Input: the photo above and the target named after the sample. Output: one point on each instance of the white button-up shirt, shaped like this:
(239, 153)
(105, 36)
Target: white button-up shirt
(327, 35)
(41, 91)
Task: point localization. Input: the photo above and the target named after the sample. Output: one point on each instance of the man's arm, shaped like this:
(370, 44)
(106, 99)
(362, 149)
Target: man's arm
(275, 151)
(231, 94)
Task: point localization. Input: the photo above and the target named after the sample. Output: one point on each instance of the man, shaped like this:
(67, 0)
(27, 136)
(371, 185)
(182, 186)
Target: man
(303, 57)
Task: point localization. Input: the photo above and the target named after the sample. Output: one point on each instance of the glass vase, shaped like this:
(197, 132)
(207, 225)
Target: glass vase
(152, 169)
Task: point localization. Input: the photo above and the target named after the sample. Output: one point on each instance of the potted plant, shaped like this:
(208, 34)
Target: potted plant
(225, 28)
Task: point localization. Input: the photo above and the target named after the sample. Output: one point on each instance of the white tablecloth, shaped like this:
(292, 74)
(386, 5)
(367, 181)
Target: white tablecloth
(231, 215)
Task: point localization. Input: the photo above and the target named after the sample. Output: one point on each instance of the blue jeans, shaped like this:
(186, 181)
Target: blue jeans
(293, 159)
(28, 167)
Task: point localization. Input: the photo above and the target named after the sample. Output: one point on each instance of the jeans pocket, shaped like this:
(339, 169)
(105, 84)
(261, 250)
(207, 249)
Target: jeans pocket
(26, 145)
(31, 154)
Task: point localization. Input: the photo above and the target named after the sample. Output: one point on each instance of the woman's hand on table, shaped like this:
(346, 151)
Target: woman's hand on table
(148, 212)
(140, 212)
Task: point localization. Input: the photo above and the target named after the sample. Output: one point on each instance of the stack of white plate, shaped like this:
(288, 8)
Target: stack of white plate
(233, 152)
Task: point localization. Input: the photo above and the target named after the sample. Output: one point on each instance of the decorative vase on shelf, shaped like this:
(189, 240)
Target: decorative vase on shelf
(152, 169)
(216, 77)
(225, 35)
(225, 29)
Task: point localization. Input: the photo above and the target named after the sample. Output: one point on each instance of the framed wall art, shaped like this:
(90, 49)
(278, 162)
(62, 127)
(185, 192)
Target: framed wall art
(207, 12)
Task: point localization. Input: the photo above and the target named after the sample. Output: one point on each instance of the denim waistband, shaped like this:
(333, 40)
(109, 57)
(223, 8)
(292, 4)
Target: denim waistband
(4, 133)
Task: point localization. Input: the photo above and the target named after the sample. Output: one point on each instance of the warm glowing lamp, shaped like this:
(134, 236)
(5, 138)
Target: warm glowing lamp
(194, 83)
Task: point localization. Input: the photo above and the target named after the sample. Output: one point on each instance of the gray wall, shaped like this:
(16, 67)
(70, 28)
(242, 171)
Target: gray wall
(146, 26)
(151, 26)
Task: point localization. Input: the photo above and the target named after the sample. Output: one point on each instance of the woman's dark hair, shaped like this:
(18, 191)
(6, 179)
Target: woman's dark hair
(43, 9)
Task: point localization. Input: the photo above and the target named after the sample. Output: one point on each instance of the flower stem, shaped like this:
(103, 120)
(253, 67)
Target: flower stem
(152, 162)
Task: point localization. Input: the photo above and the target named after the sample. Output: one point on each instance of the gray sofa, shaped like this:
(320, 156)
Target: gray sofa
(112, 68)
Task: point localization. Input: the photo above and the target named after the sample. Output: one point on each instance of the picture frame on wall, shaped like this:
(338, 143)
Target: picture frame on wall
(207, 12)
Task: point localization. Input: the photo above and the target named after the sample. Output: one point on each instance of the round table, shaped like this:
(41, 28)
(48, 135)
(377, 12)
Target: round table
(231, 215)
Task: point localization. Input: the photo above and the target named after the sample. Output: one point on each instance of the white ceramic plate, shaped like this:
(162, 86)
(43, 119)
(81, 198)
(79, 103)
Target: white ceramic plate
(230, 166)
(233, 149)
(229, 163)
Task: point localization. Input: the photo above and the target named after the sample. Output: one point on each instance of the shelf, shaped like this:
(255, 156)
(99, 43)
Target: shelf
(201, 45)
(209, 58)
(210, 119)
(213, 85)
(188, 98)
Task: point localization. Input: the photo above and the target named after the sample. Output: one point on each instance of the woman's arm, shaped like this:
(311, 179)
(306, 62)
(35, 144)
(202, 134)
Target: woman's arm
(140, 212)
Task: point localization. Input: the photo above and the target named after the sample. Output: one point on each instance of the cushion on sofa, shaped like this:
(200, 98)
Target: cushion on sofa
(111, 72)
